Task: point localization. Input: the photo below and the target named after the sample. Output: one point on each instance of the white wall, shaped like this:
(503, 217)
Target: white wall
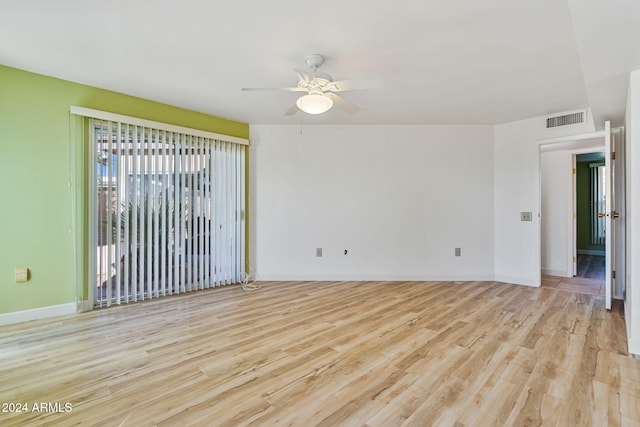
(632, 300)
(517, 188)
(556, 208)
(398, 198)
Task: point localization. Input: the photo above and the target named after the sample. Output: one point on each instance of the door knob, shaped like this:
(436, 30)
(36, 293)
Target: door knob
(614, 215)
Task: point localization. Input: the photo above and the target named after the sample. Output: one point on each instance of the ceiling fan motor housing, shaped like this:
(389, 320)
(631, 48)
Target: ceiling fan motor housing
(314, 61)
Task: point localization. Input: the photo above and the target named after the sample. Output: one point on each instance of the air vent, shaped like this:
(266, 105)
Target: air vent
(565, 120)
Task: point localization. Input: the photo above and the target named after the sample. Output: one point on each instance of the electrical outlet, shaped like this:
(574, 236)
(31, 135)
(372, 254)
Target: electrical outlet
(22, 275)
(318, 252)
(457, 251)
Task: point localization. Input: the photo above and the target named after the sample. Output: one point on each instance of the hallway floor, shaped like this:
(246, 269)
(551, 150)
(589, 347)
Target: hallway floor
(589, 280)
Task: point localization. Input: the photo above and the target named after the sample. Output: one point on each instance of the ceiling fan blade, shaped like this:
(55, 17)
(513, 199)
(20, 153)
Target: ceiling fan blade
(342, 103)
(292, 110)
(303, 75)
(342, 85)
(287, 89)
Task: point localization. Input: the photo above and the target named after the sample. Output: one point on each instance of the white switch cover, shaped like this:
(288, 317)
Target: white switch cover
(22, 275)
(526, 216)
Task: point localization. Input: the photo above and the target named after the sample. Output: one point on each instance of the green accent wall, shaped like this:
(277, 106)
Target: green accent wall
(583, 208)
(36, 166)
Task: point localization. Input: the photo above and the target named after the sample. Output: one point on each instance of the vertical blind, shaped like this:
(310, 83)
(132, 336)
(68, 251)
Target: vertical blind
(168, 211)
(597, 203)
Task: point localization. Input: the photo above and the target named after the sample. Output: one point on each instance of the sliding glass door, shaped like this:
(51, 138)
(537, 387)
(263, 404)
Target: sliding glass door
(167, 212)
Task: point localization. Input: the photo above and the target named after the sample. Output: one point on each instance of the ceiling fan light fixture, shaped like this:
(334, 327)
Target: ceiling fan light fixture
(314, 103)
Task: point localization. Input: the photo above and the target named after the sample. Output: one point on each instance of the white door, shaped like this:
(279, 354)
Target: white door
(609, 171)
(574, 219)
(618, 214)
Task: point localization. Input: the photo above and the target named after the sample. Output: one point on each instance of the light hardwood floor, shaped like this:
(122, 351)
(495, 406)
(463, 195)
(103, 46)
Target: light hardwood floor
(330, 353)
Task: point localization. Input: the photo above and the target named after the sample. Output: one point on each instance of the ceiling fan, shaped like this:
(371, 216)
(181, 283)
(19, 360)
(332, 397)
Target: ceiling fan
(321, 90)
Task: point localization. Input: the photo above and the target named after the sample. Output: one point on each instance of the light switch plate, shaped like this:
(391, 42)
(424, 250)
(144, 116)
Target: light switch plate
(22, 275)
(526, 216)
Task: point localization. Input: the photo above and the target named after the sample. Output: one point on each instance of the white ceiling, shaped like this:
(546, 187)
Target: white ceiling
(442, 62)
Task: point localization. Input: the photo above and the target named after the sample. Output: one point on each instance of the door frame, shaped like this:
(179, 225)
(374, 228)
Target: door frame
(574, 143)
(617, 252)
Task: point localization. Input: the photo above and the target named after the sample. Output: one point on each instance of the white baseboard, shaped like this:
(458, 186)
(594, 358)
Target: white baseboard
(634, 346)
(514, 280)
(558, 273)
(37, 313)
(82, 306)
(590, 252)
(372, 277)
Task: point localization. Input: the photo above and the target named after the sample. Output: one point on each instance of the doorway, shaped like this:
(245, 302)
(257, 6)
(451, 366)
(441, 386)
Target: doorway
(572, 235)
(614, 209)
